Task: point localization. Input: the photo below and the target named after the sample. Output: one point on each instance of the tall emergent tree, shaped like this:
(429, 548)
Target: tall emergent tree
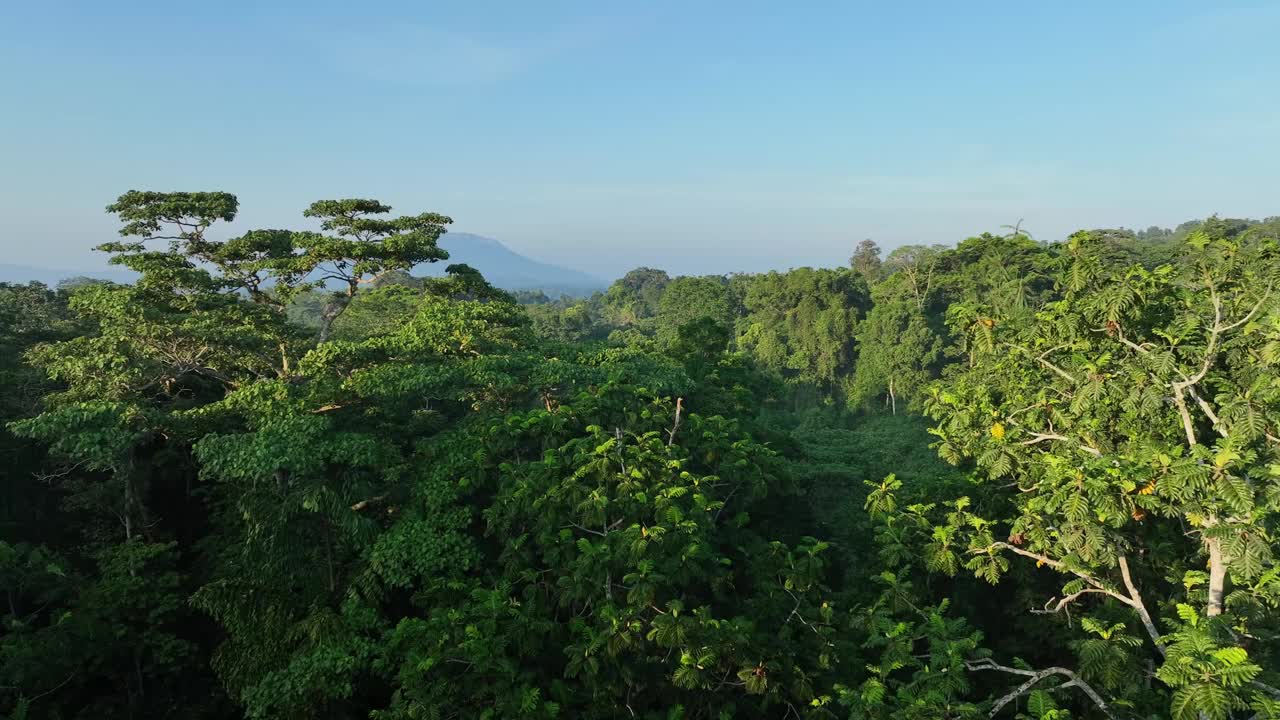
(898, 347)
(198, 350)
(802, 324)
(866, 260)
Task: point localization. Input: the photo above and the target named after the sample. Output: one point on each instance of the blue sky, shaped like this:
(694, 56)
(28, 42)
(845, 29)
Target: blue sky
(693, 136)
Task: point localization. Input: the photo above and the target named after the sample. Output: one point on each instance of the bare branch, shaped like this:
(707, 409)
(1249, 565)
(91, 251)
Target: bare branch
(1131, 344)
(1266, 295)
(1041, 359)
(214, 374)
(1035, 677)
(1058, 607)
(1056, 565)
(1137, 604)
(367, 502)
(671, 434)
(49, 478)
(1037, 437)
(622, 460)
(52, 690)
(1215, 332)
(1207, 409)
(795, 612)
(600, 533)
(725, 503)
(1217, 575)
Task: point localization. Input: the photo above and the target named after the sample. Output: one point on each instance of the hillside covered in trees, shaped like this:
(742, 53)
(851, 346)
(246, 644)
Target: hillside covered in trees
(279, 476)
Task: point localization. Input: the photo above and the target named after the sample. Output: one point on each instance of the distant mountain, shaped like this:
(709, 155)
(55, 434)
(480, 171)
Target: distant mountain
(508, 269)
(500, 265)
(52, 276)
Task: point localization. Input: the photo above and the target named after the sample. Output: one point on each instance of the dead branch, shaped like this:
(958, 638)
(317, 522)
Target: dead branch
(671, 434)
(368, 501)
(1067, 600)
(1035, 677)
(1037, 438)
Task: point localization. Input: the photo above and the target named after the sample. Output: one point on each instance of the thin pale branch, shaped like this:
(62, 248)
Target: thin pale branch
(795, 612)
(602, 533)
(1188, 427)
(367, 502)
(1137, 604)
(1056, 565)
(671, 434)
(52, 689)
(1041, 359)
(1266, 295)
(1211, 349)
(1131, 344)
(1208, 411)
(1037, 438)
(1035, 677)
(1067, 600)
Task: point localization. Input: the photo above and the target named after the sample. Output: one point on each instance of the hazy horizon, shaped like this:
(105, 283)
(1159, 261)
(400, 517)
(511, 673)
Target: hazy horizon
(711, 139)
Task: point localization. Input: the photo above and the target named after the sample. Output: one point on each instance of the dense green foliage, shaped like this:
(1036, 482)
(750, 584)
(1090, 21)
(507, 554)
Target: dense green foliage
(280, 477)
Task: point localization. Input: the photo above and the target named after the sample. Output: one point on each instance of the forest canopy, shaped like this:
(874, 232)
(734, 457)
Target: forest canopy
(279, 476)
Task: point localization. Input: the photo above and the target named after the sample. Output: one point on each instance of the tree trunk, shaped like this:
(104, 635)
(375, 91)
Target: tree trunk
(1217, 577)
(328, 556)
(128, 506)
(328, 315)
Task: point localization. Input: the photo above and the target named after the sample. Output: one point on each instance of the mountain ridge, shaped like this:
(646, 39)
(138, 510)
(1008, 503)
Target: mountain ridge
(18, 273)
(500, 265)
(508, 269)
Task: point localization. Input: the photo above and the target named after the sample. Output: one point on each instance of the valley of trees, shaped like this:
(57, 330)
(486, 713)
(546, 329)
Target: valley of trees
(279, 476)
